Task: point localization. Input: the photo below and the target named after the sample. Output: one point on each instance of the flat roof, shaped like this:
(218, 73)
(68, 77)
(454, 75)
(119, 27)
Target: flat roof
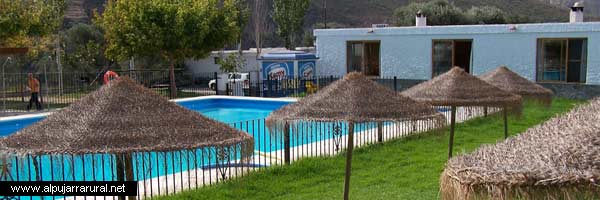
(464, 29)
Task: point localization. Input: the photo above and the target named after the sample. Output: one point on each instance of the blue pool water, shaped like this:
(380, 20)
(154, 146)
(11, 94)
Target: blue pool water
(10, 126)
(224, 110)
(234, 110)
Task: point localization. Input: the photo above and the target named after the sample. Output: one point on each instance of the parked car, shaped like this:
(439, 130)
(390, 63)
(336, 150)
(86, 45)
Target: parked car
(233, 78)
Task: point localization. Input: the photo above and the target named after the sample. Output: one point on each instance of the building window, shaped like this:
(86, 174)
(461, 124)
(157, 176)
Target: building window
(449, 53)
(363, 56)
(562, 60)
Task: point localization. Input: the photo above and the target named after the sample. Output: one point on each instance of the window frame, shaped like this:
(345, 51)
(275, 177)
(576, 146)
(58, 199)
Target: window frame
(539, 46)
(363, 42)
(433, 42)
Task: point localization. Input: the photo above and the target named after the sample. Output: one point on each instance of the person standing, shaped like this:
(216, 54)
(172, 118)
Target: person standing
(34, 86)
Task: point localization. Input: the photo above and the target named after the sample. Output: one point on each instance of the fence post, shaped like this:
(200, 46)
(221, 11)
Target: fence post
(269, 85)
(41, 95)
(22, 90)
(261, 84)
(395, 83)
(46, 84)
(330, 79)
(227, 88)
(286, 143)
(249, 85)
(380, 132)
(216, 83)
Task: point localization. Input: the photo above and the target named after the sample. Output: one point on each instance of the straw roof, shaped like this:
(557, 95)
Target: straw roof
(559, 158)
(122, 117)
(458, 88)
(355, 98)
(509, 81)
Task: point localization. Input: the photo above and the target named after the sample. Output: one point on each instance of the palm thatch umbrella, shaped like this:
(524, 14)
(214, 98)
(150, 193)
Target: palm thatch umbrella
(558, 159)
(353, 99)
(119, 119)
(509, 81)
(458, 88)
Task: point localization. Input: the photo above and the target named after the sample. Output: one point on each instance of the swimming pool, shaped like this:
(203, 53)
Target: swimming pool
(224, 109)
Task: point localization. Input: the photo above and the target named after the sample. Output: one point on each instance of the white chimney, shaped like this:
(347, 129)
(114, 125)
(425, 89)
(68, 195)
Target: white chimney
(576, 13)
(421, 19)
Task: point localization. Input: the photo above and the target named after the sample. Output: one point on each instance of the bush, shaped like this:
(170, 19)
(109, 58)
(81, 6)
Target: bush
(439, 12)
(442, 12)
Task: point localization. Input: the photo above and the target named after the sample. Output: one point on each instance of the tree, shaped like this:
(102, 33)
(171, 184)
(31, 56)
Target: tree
(174, 30)
(232, 63)
(22, 20)
(308, 39)
(289, 16)
(517, 19)
(438, 12)
(242, 20)
(487, 15)
(442, 12)
(260, 23)
(84, 48)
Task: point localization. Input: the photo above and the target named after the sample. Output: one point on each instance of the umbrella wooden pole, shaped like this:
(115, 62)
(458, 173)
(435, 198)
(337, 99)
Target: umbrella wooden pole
(380, 132)
(286, 144)
(37, 168)
(120, 170)
(125, 170)
(485, 111)
(505, 123)
(349, 148)
(452, 124)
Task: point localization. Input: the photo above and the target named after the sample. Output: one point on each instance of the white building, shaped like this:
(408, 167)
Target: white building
(549, 52)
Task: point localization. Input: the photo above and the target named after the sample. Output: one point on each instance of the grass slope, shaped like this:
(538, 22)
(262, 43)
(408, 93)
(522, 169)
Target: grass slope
(407, 168)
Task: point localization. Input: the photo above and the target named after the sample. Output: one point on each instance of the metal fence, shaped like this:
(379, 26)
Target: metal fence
(163, 173)
(58, 90)
(299, 87)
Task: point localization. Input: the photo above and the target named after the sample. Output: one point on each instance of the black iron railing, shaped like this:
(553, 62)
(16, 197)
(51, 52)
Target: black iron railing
(58, 90)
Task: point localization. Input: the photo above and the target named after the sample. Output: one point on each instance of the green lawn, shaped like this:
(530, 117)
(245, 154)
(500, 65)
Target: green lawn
(407, 168)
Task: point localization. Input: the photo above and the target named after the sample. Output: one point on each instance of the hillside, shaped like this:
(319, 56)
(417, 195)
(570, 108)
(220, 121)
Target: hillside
(82, 11)
(381, 11)
(354, 13)
(592, 6)
(363, 13)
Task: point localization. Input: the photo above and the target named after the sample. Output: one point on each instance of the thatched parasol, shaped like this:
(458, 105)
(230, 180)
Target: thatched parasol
(121, 118)
(354, 99)
(458, 88)
(509, 81)
(558, 159)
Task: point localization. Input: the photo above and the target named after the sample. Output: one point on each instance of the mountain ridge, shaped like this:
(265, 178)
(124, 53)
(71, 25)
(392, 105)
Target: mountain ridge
(345, 12)
(364, 13)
